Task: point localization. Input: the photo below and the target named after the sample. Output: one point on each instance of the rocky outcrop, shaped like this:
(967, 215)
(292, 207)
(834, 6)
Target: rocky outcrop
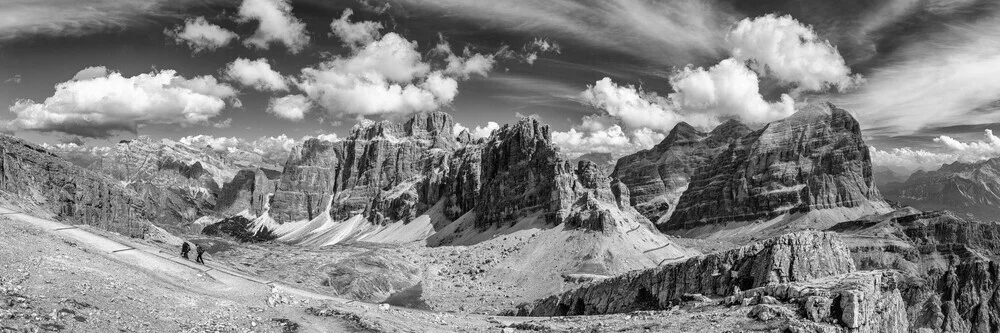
(862, 302)
(394, 172)
(795, 257)
(380, 164)
(814, 160)
(523, 173)
(950, 278)
(250, 190)
(658, 176)
(965, 300)
(31, 175)
(969, 189)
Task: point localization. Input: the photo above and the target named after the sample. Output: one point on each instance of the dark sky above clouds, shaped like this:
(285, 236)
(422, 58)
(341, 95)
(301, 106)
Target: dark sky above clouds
(921, 75)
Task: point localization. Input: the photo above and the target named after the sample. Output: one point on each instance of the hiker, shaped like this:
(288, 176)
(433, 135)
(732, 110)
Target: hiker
(201, 250)
(185, 248)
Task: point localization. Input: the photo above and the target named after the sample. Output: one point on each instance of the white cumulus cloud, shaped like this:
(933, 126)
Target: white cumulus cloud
(387, 76)
(90, 73)
(613, 140)
(906, 160)
(355, 34)
(478, 132)
(257, 74)
(200, 35)
(631, 105)
(468, 64)
(728, 88)
(291, 107)
(792, 52)
(276, 24)
(97, 106)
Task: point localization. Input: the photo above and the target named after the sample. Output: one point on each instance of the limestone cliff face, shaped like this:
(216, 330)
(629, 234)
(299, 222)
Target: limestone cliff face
(388, 172)
(250, 190)
(814, 160)
(794, 257)
(31, 175)
(522, 173)
(385, 171)
(658, 176)
(965, 188)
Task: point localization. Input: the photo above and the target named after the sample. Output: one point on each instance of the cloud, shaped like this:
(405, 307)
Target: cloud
(257, 74)
(387, 76)
(332, 137)
(78, 17)
(393, 57)
(16, 79)
(291, 107)
(950, 150)
(908, 160)
(471, 64)
(224, 124)
(200, 35)
(539, 46)
(973, 151)
(790, 51)
(727, 89)
(90, 73)
(276, 24)
(355, 34)
(631, 105)
(216, 143)
(478, 132)
(671, 33)
(613, 140)
(274, 148)
(948, 78)
(97, 106)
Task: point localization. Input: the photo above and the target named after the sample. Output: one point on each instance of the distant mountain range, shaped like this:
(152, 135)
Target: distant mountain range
(969, 189)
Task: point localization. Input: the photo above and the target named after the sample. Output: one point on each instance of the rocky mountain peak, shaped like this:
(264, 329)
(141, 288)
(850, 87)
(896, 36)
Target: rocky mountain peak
(430, 124)
(681, 133)
(814, 160)
(729, 130)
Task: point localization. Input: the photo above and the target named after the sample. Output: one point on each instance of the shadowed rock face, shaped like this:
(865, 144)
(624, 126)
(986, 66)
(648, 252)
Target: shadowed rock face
(965, 188)
(249, 190)
(815, 159)
(394, 172)
(657, 177)
(794, 257)
(33, 176)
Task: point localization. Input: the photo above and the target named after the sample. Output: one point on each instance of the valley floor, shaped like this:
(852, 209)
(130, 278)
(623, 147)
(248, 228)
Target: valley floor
(55, 277)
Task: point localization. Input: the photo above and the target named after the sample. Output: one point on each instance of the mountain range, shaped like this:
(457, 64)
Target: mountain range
(785, 216)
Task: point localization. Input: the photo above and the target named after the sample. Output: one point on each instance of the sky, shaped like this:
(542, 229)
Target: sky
(611, 76)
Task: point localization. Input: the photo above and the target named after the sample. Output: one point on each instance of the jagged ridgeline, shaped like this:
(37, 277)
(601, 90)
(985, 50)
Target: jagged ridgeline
(387, 173)
(969, 189)
(809, 170)
(42, 183)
